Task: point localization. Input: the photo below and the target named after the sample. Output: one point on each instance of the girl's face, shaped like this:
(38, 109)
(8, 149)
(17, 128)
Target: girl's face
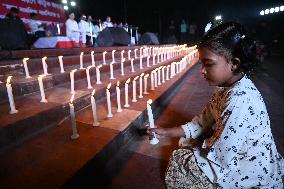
(216, 69)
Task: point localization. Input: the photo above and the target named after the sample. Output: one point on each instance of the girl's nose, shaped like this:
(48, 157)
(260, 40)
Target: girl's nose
(203, 70)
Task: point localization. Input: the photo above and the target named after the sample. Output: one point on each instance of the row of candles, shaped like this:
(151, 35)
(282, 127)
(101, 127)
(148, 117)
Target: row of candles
(176, 67)
(40, 77)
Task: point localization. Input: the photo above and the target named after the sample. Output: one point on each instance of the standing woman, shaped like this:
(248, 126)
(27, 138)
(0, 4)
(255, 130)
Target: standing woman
(72, 29)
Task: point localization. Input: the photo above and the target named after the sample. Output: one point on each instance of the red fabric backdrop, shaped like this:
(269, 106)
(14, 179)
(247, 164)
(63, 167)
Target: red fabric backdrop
(47, 11)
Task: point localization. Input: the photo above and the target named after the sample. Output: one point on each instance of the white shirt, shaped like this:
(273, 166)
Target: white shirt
(242, 152)
(107, 24)
(71, 27)
(84, 27)
(35, 26)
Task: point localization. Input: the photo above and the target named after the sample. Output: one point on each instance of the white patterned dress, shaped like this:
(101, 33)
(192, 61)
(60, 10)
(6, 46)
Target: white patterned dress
(241, 152)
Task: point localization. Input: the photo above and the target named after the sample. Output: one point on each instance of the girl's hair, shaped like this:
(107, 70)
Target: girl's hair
(231, 40)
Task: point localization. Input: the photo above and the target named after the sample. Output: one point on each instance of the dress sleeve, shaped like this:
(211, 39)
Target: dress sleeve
(199, 124)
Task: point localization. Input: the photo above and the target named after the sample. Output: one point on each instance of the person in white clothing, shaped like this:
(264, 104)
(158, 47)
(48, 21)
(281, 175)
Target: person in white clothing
(94, 32)
(237, 148)
(36, 26)
(72, 29)
(107, 23)
(84, 29)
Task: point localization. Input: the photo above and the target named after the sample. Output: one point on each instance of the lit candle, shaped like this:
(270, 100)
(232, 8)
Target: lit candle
(94, 109)
(108, 101)
(134, 99)
(154, 57)
(141, 66)
(132, 67)
(75, 134)
(60, 58)
(72, 80)
(126, 93)
(118, 97)
(135, 53)
(88, 77)
(42, 94)
(81, 60)
(111, 70)
(10, 96)
(141, 86)
(104, 57)
(44, 65)
(129, 51)
(58, 29)
(25, 60)
(155, 78)
(121, 55)
(98, 74)
(113, 59)
(158, 58)
(122, 66)
(145, 83)
(163, 74)
(154, 140)
(159, 75)
(148, 63)
(168, 72)
(152, 81)
(93, 58)
(141, 51)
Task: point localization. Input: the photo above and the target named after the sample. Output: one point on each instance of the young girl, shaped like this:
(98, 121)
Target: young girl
(238, 149)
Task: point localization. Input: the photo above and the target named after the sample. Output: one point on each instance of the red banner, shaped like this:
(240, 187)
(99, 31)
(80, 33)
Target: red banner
(47, 11)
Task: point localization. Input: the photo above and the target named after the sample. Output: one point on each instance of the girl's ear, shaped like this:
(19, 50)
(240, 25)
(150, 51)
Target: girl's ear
(235, 65)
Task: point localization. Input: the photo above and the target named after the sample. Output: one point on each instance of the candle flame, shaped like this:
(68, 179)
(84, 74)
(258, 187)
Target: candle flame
(104, 52)
(72, 98)
(113, 51)
(74, 70)
(99, 66)
(60, 56)
(82, 53)
(92, 52)
(122, 51)
(109, 85)
(41, 76)
(93, 92)
(142, 75)
(147, 75)
(89, 67)
(44, 58)
(117, 83)
(25, 59)
(128, 80)
(149, 101)
(135, 78)
(169, 66)
(129, 50)
(9, 79)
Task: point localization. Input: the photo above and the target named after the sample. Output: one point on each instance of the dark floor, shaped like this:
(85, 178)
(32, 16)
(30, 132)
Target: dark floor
(146, 167)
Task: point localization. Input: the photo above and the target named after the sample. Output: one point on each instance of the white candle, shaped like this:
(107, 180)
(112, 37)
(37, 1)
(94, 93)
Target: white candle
(141, 86)
(158, 58)
(155, 78)
(81, 60)
(168, 72)
(126, 93)
(108, 101)
(88, 77)
(132, 66)
(163, 74)
(10, 96)
(122, 66)
(141, 65)
(135, 53)
(94, 109)
(75, 134)
(141, 51)
(113, 58)
(148, 62)
(72, 80)
(44, 65)
(42, 94)
(154, 140)
(152, 81)
(98, 74)
(121, 55)
(118, 97)
(145, 83)
(154, 57)
(58, 29)
(159, 76)
(129, 51)
(134, 99)
(104, 57)
(25, 60)
(60, 58)
(93, 58)
(111, 70)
